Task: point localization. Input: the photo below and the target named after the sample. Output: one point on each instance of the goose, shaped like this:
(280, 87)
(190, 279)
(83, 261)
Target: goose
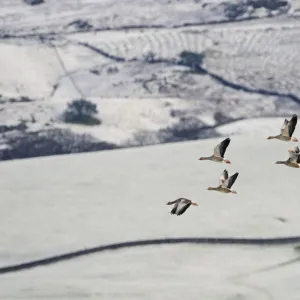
(294, 160)
(181, 205)
(287, 129)
(225, 183)
(219, 152)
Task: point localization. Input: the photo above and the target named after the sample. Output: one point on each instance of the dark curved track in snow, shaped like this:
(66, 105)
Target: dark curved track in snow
(168, 241)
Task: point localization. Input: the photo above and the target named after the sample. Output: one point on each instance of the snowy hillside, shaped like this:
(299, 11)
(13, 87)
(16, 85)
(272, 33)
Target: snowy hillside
(160, 72)
(54, 205)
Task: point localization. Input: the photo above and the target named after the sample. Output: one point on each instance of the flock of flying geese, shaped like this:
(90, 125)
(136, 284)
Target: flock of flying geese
(226, 182)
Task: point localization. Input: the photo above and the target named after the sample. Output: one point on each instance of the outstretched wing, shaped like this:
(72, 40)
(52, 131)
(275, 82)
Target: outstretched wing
(230, 181)
(294, 158)
(174, 209)
(182, 207)
(284, 128)
(292, 125)
(293, 151)
(220, 149)
(223, 177)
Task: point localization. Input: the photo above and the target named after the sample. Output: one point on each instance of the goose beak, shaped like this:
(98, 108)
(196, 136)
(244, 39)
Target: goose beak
(193, 203)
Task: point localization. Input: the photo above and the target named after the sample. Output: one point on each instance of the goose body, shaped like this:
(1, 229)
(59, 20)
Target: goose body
(219, 151)
(181, 205)
(287, 130)
(225, 183)
(294, 160)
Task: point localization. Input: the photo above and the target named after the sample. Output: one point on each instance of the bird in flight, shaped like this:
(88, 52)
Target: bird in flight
(219, 151)
(225, 183)
(287, 130)
(181, 205)
(294, 160)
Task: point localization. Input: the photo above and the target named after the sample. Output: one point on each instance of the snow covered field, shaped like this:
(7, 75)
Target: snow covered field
(54, 205)
(129, 65)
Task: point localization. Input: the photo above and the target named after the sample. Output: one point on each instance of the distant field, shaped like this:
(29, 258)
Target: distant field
(132, 66)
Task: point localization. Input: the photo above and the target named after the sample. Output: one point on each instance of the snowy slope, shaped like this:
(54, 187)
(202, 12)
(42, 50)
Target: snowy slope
(57, 16)
(58, 204)
(128, 63)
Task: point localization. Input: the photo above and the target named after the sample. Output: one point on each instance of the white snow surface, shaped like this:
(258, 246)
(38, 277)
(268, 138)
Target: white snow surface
(57, 15)
(54, 205)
